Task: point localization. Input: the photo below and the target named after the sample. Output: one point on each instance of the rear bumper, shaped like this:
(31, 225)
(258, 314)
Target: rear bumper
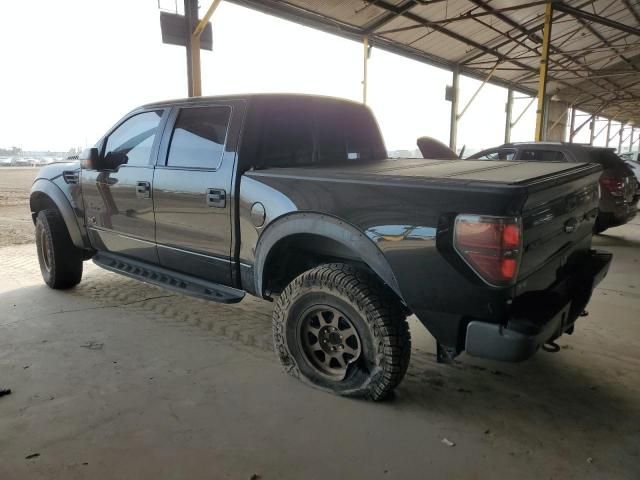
(619, 216)
(540, 317)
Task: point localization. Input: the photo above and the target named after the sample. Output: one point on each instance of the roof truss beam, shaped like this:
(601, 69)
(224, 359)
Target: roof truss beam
(632, 10)
(592, 17)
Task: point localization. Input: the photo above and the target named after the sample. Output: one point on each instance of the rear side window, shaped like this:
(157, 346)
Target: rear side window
(307, 132)
(287, 137)
(346, 133)
(501, 154)
(132, 141)
(198, 137)
(542, 156)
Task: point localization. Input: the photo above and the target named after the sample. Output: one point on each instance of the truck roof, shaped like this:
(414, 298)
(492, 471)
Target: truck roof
(275, 97)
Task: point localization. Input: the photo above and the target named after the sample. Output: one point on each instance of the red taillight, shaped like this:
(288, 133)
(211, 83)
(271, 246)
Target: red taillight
(490, 245)
(613, 185)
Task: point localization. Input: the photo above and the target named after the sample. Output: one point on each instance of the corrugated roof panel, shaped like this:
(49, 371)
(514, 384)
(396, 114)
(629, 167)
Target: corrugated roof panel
(589, 63)
(356, 13)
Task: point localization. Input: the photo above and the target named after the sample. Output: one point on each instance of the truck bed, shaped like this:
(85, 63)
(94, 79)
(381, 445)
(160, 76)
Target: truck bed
(458, 171)
(556, 202)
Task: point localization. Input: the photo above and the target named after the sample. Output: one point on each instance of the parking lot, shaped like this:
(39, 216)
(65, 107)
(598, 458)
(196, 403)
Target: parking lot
(118, 379)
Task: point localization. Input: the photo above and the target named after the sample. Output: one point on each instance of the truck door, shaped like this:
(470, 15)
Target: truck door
(193, 188)
(118, 205)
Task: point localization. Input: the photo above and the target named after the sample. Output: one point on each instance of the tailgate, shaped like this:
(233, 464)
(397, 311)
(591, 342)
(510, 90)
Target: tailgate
(558, 223)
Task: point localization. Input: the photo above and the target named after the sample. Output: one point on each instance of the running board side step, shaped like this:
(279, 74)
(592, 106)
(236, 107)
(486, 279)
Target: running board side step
(155, 275)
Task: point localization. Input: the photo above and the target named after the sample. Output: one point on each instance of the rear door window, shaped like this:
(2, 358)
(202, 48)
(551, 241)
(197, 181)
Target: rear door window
(199, 137)
(542, 156)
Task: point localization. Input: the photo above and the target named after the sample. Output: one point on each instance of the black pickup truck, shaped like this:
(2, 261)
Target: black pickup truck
(292, 198)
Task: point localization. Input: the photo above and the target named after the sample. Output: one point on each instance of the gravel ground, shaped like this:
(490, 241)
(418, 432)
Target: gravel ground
(119, 379)
(16, 226)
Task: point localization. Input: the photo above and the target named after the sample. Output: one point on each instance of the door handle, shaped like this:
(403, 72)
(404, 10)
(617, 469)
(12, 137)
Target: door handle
(216, 197)
(143, 189)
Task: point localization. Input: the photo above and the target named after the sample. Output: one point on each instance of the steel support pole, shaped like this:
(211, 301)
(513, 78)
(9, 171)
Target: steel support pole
(453, 126)
(545, 118)
(581, 126)
(558, 120)
(509, 112)
(592, 127)
(196, 74)
(597, 135)
(515, 122)
(191, 17)
(195, 28)
(620, 139)
(572, 127)
(631, 138)
(542, 75)
(608, 131)
(478, 90)
(365, 68)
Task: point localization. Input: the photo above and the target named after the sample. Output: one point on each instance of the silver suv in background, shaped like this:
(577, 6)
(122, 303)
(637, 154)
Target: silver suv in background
(632, 159)
(618, 184)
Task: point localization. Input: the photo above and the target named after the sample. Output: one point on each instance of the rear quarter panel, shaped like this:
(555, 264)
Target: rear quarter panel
(408, 220)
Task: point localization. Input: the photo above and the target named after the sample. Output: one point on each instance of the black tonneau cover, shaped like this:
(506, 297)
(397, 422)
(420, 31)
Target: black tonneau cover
(530, 174)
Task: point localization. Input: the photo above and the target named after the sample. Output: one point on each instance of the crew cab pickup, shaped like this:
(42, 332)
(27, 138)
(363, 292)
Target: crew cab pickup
(292, 198)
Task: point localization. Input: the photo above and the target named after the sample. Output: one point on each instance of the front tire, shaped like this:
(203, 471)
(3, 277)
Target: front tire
(60, 260)
(339, 329)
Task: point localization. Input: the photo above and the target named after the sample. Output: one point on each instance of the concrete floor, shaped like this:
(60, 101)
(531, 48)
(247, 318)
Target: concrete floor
(117, 379)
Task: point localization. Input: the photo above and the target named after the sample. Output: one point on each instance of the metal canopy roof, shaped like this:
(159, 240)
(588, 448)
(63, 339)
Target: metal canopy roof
(594, 61)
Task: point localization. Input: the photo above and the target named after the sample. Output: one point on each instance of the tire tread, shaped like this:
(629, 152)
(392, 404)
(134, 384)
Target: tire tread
(66, 270)
(378, 306)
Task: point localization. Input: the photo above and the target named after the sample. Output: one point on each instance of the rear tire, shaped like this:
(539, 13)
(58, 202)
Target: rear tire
(339, 329)
(60, 260)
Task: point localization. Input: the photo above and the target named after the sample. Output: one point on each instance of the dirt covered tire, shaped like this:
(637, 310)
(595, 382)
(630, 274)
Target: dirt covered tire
(60, 260)
(339, 329)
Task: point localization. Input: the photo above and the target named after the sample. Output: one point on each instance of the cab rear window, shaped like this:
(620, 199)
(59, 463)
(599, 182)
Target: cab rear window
(542, 156)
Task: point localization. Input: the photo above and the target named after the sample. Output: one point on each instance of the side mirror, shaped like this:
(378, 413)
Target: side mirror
(90, 158)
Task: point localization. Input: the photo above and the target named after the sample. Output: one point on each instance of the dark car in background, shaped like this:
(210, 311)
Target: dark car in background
(618, 184)
(632, 159)
(630, 156)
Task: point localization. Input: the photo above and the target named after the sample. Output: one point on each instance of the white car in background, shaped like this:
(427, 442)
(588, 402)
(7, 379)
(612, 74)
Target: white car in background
(5, 162)
(22, 161)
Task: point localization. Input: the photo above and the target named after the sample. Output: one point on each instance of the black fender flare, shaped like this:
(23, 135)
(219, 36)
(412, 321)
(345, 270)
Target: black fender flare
(53, 192)
(322, 225)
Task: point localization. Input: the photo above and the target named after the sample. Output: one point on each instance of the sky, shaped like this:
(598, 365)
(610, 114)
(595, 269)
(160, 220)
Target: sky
(69, 69)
